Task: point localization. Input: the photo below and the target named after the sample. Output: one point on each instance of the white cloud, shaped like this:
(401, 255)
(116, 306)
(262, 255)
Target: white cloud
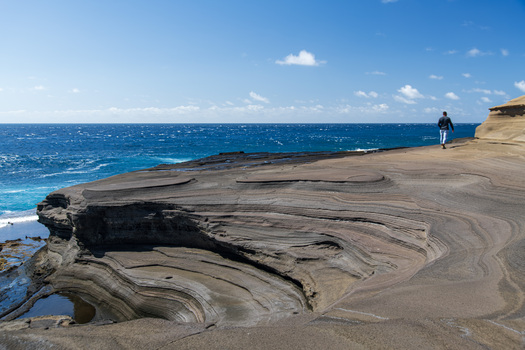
(488, 92)
(409, 92)
(39, 88)
(376, 73)
(404, 100)
(436, 77)
(304, 58)
(520, 85)
(151, 110)
(383, 107)
(75, 91)
(452, 96)
(408, 95)
(467, 75)
(372, 94)
(368, 109)
(257, 97)
(475, 52)
(504, 52)
(451, 52)
(483, 91)
(388, 1)
(485, 99)
(431, 110)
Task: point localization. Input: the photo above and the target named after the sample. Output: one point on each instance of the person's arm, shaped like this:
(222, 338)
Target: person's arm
(451, 126)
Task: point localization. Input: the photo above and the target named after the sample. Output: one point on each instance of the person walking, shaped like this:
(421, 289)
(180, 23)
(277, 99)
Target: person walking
(443, 124)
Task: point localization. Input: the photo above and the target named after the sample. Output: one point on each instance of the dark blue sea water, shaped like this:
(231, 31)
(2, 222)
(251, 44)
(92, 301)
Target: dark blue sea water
(40, 158)
(36, 159)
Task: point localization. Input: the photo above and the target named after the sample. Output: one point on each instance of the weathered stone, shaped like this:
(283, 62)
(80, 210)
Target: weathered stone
(505, 122)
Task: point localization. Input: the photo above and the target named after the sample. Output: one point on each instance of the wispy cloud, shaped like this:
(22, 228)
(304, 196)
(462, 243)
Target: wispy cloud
(258, 97)
(368, 109)
(488, 92)
(436, 77)
(372, 94)
(452, 96)
(39, 88)
(475, 52)
(467, 75)
(388, 1)
(376, 73)
(492, 92)
(520, 85)
(473, 24)
(304, 58)
(505, 52)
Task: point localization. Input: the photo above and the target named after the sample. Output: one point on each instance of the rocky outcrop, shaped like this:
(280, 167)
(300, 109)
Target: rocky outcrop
(235, 245)
(505, 122)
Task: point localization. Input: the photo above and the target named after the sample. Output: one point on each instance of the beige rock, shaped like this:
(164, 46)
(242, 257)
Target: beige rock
(505, 122)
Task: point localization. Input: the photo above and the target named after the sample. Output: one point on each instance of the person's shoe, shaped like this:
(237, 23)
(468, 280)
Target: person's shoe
(443, 145)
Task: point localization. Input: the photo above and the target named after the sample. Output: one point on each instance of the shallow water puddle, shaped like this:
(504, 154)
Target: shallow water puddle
(62, 304)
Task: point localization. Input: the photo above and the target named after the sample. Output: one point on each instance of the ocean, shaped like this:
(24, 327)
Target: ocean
(36, 159)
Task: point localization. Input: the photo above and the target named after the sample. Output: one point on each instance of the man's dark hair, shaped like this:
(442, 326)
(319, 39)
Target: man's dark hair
(444, 113)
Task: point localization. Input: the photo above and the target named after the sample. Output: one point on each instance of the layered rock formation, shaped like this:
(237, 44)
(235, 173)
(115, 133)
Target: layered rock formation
(505, 122)
(231, 246)
(409, 248)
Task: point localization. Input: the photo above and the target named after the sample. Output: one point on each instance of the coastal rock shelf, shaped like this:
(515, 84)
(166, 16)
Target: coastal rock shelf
(232, 246)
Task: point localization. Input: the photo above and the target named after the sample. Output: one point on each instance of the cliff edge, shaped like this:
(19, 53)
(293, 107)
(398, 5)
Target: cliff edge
(505, 122)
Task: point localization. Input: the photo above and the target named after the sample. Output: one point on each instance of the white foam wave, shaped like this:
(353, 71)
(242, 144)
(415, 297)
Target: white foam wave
(73, 171)
(6, 221)
(366, 149)
(13, 191)
(166, 160)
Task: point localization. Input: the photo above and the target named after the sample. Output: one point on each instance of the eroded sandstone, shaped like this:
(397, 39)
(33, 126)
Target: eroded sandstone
(230, 246)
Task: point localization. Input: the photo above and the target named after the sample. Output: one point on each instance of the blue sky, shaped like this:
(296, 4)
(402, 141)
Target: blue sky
(242, 61)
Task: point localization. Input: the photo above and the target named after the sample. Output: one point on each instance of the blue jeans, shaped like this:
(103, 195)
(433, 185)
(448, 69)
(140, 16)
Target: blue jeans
(443, 138)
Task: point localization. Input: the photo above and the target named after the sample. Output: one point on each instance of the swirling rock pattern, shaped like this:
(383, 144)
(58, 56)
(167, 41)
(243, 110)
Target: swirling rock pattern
(409, 248)
(231, 246)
